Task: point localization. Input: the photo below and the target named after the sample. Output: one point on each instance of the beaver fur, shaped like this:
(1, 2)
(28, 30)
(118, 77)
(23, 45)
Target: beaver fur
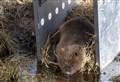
(70, 49)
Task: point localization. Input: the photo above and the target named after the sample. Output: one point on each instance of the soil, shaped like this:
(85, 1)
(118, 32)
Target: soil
(19, 25)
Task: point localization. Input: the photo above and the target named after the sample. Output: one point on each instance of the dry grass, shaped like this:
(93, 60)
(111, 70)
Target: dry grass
(44, 56)
(19, 15)
(49, 68)
(7, 46)
(16, 29)
(84, 9)
(9, 69)
(115, 78)
(90, 52)
(16, 69)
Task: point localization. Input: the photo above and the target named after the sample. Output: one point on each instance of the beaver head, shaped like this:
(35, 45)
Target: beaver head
(70, 58)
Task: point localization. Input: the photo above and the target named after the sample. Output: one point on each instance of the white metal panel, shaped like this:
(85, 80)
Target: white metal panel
(109, 38)
(109, 30)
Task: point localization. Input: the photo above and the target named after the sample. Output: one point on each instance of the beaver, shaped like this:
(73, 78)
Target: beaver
(70, 49)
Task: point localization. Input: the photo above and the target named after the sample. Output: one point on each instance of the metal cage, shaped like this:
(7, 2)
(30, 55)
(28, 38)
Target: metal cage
(49, 14)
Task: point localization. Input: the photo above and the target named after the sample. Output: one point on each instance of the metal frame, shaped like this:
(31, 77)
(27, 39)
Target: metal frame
(95, 5)
(108, 39)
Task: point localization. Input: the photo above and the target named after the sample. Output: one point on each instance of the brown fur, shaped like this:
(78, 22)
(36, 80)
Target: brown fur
(70, 51)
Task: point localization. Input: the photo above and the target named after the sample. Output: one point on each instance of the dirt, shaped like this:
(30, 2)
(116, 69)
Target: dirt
(17, 20)
(17, 36)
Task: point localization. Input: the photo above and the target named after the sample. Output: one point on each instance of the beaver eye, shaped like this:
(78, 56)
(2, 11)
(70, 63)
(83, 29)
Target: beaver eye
(76, 53)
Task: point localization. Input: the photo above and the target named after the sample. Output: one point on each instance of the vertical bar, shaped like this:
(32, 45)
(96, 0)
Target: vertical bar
(96, 27)
(36, 17)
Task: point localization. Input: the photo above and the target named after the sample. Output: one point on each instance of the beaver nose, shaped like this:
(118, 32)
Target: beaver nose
(69, 73)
